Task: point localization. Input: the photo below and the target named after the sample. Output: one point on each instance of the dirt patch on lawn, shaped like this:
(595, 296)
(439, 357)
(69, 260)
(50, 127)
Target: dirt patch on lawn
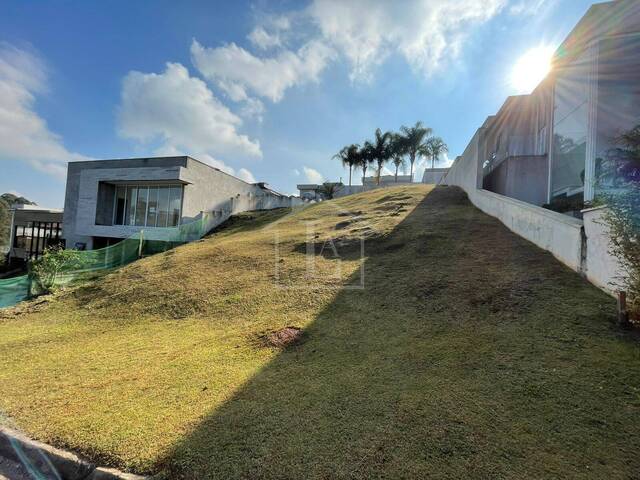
(283, 338)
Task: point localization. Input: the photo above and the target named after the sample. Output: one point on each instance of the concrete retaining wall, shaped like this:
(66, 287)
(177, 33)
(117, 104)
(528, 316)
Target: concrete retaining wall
(601, 268)
(582, 245)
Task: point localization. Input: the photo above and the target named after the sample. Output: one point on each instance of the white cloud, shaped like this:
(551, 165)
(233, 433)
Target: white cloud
(246, 175)
(237, 71)
(263, 39)
(181, 112)
(242, 173)
(427, 33)
(313, 176)
(527, 7)
(24, 135)
(296, 172)
(252, 108)
(269, 34)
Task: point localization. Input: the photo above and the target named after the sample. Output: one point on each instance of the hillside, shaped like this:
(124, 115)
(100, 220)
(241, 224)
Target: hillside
(7, 200)
(467, 353)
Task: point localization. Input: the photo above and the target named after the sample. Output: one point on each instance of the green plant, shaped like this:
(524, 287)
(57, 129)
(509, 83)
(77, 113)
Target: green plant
(619, 182)
(51, 264)
(434, 147)
(350, 157)
(398, 149)
(329, 190)
(414, 137)
(381, 151)
(365, 157)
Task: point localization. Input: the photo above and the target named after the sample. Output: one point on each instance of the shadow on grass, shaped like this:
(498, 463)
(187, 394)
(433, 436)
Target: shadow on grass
(248, 221)
(470, 353)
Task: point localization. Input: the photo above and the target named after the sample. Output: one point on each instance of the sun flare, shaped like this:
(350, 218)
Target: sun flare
(531, 68)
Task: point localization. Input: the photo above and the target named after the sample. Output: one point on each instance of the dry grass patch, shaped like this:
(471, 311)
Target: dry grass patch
(470, 353)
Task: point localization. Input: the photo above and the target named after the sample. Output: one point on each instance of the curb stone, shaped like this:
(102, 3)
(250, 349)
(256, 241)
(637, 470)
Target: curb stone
(52, 463)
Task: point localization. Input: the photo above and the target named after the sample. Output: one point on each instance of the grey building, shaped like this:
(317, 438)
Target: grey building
(108, 200)
(33, 229)
(555, 145)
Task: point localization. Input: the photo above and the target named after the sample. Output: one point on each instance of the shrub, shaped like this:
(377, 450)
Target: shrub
(620, 181)
(51, 264)
(623, 219)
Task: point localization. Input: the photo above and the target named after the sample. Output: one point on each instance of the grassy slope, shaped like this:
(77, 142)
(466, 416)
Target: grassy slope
(470, 353)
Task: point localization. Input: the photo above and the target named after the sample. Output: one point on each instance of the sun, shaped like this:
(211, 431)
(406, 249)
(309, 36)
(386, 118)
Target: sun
(531, 68)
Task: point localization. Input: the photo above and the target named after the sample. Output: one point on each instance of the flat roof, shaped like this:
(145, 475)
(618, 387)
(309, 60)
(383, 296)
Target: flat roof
(35, 208)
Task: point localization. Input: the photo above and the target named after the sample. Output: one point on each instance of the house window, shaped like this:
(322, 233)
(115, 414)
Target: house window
(618, 108)
(148, 206)
(570, 129)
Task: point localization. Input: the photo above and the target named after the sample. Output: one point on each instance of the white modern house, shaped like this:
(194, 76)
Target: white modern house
(547, 148)
(108, 200)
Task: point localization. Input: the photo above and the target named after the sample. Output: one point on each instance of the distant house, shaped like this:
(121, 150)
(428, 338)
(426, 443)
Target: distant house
(33, 229)
(314, 191)
(385, 180)
(108, 200)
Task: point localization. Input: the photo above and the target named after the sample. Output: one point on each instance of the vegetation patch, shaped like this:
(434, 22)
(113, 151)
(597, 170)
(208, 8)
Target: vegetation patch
(454, 349)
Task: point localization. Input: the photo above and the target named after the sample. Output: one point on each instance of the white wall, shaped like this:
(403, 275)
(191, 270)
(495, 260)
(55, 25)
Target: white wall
(559, 234)
(602, 268)
(433, 176)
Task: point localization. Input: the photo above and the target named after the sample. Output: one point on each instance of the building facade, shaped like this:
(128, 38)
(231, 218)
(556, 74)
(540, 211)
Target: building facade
(33, 229)
(108, 200)
(558, 147)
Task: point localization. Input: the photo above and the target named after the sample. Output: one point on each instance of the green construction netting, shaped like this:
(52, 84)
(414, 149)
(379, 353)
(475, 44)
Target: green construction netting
(14, 290)
(81, 265)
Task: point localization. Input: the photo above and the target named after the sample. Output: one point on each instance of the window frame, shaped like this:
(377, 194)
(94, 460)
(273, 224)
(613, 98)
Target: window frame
(160, 188)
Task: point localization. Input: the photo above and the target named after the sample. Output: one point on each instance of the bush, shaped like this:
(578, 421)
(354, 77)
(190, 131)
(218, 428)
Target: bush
(51, 264)
(620, 180)
(623, 219)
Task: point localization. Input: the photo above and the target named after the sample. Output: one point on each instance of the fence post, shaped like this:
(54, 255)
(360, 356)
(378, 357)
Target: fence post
(140, 244)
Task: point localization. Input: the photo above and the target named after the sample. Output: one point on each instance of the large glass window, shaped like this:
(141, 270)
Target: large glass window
(152, 206)
(570, 128)
(175, 203)
(163, 207)
(120, 202)
(618, 109)
(132, 198)
(148, 206)
(141, 206)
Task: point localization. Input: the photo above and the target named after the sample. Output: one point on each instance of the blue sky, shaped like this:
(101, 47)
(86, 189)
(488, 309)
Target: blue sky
(266, 90)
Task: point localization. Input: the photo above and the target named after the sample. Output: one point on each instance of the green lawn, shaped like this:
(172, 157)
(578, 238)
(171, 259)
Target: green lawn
(469, 353)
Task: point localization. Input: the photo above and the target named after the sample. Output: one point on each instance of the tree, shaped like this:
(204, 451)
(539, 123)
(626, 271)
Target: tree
(365, 157)
(414, 137)
(51, 264)
(349, 156)
(329, 190)
(398, 151)
(435, 148)
(380, 149)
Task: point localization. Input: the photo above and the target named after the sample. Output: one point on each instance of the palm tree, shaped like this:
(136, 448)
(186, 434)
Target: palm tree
(381, 151)
(365, 157)
(436, 148)
(414, 137)
(398, 152)
(349, 157)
